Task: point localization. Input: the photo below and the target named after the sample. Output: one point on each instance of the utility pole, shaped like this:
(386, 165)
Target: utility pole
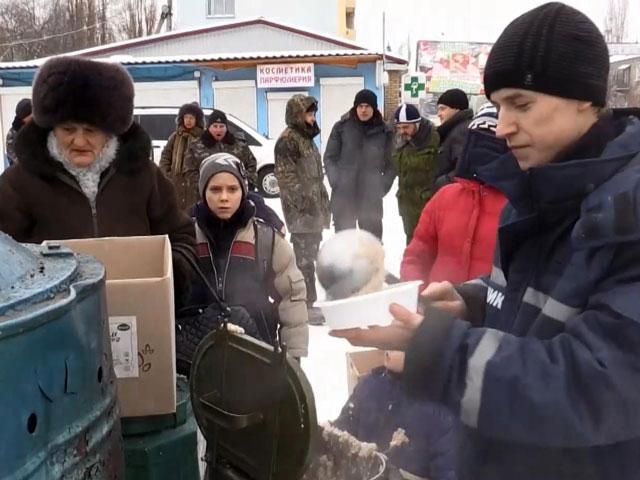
(384, 42)
(166, 15)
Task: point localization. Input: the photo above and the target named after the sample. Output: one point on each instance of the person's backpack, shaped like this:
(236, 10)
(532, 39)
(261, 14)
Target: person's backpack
(265, 239)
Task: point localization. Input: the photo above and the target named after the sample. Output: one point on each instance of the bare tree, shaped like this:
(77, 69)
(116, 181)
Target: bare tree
(138, 18)
(36, 28)
(615, 24)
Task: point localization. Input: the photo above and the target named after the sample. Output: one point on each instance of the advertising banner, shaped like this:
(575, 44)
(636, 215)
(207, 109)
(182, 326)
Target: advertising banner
(453, 65)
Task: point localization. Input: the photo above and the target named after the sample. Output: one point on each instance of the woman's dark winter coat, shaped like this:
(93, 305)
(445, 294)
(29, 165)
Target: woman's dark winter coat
(360, 170)
(40, 200)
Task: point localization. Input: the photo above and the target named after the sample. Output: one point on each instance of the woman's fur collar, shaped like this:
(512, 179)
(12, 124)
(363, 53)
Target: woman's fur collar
(134, 150)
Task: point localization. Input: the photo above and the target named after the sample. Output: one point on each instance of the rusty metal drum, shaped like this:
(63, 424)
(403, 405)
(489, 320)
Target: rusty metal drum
(58, 404)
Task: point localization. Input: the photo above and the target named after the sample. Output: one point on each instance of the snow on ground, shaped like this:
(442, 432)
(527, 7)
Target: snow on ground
(326, 365)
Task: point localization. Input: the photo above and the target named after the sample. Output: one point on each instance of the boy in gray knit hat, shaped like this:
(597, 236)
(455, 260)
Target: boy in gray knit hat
(541, 359)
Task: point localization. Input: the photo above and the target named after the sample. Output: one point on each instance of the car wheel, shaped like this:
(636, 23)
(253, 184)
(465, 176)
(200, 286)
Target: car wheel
(267, 182)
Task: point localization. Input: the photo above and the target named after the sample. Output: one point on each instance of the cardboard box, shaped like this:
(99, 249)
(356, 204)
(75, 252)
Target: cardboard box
(141, 311)
(361, 363)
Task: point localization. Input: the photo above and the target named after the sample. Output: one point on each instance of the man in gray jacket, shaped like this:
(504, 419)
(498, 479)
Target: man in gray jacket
(359, 166)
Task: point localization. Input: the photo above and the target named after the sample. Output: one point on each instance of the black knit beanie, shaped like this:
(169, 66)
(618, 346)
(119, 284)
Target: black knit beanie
(454, 98)
(366, 96)
(553, 49)
(217, 116)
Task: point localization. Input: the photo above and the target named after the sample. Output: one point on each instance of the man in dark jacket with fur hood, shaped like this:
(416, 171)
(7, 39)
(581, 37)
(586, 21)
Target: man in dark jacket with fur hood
(541, 359)
(190, 126)
(359, 166)
(85, 167)
(218, 139)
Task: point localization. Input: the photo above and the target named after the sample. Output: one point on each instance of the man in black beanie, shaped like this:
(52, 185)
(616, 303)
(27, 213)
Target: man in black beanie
(455, 115)
(359, 165)
(217, 138)
(541, 359)
(23, 116)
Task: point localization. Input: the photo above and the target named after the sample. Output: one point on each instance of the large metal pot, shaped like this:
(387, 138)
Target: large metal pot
(58, 401)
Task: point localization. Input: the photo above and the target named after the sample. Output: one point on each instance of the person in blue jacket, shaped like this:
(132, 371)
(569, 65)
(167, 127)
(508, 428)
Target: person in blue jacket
(541, 359)
(418, 437)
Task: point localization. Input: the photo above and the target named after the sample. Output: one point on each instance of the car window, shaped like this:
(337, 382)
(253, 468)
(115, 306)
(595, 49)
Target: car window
(159, 126)
(241, 133)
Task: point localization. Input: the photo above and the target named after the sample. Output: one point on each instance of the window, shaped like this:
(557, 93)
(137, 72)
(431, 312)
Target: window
(158, 126)
(238, 132)
(350, 19)
(221, 8)
(623, 77)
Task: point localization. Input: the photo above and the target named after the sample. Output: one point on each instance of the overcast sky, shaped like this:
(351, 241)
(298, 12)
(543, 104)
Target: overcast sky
(460, 20)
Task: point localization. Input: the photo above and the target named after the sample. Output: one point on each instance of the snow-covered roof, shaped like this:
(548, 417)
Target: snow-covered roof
(217, 57)
(623, 58)
(233, 24)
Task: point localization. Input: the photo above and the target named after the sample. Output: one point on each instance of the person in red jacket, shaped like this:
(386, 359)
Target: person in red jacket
(456, 234)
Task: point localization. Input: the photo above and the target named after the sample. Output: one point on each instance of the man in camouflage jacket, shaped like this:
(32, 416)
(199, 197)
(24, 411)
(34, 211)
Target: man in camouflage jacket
(305, 201)
(415, 162)
(218, 139)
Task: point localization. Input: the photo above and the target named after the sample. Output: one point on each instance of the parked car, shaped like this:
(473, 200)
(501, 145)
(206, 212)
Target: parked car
(160, 123)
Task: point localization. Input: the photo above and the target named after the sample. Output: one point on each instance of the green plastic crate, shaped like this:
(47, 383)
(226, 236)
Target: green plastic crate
(167, 455)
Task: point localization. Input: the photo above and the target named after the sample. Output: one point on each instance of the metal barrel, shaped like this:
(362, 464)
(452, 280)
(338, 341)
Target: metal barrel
(58, 405)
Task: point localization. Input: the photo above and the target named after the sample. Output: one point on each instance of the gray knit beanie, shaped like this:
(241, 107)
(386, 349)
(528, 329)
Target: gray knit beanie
(222, 162)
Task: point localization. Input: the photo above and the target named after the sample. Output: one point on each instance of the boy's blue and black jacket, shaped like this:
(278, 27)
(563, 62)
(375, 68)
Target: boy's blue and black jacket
(545, 374)
(379, 406)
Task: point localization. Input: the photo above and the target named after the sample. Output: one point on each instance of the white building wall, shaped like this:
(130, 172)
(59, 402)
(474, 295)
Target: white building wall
(317, 15)
(252, 38)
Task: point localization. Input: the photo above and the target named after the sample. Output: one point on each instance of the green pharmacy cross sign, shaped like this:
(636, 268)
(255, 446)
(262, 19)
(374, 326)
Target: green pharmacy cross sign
(415, 87)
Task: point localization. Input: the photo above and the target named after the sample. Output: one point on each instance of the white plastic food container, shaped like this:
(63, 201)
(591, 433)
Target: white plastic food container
(370, 309)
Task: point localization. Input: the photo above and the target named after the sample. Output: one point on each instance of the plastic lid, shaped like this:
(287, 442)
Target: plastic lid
(254, 406)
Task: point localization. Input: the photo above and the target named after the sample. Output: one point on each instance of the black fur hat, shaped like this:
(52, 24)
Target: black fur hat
(191, 109)
(85, 91)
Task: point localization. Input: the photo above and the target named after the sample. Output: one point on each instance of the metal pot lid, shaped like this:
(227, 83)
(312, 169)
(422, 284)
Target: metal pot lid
(254, 406)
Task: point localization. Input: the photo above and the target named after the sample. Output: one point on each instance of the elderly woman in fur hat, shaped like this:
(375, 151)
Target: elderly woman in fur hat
(85, 167)
(190, 125)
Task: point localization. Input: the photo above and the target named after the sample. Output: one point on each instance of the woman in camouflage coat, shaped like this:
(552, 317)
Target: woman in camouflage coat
(190, 126)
